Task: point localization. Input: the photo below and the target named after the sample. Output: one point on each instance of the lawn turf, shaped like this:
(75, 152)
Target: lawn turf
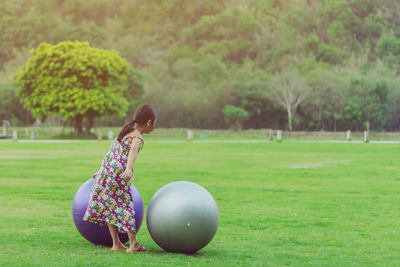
(296, 204)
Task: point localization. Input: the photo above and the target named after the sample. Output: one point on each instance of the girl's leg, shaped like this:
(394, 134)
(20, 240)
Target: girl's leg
(117, 244)
(134, 245)
(132, 240)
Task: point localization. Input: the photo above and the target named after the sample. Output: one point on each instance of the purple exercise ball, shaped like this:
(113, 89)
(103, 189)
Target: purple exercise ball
(95, 233)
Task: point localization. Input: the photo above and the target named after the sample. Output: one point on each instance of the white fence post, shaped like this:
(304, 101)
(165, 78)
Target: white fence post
(366, 136)
(279, 135)
(99, 135)
(15, 135)
(110, 135)
(348, 135)
(271, 134)
(189, 135)
(6, 125)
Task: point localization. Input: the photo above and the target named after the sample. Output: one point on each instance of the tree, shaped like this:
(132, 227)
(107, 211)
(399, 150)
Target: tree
(389, 50)
(235, 116)
(11, 108)
(247, 90)
(231, 34)
(76, 81)
(392, 118)
(353, 115)
(200, 56)
(369, 95)
(289, 90)
(326, 103)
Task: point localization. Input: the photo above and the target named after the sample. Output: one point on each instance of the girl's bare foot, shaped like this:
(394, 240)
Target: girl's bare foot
(118, 247)
(135, 248)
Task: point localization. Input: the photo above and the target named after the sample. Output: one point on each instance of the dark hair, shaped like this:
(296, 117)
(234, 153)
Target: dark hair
(143, 114)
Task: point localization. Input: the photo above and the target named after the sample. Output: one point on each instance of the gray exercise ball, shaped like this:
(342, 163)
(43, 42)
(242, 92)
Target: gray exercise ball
(182, 217)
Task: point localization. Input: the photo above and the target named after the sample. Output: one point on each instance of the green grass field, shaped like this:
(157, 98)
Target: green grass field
(296, 204)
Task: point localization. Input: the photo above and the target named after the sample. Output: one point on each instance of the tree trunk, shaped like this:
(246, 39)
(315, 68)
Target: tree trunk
(89, 124)
(321, 118)
(78, 124)
(334, 124)
(238, 125)
(289, 119)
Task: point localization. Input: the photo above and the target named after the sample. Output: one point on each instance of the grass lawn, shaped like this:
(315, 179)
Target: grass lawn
(296, 204)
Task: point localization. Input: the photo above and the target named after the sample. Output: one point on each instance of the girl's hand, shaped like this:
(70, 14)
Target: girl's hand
(127, 175)
(94, 175)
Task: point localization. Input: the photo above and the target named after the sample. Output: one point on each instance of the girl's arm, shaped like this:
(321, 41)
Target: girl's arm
(136, 143)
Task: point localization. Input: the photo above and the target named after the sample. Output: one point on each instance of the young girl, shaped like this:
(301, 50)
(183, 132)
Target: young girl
(111, 200)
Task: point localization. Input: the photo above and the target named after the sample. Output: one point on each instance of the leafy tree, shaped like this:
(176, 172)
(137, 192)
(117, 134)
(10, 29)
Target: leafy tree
(328, 98)
(97, 11)
(235, 116)
(368, 101)
(76, 81)
(247, 90)
(353, 114)
(392, 111)
(195, 54)
(88, 32)
(230, 33)
(389, 50)
(11, 108)
(19, 28)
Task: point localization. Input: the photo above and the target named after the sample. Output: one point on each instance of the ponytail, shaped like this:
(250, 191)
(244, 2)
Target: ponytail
(142, 115)
(129, 127)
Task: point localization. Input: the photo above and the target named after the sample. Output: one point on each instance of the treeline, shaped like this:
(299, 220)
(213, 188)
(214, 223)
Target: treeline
(288, 64)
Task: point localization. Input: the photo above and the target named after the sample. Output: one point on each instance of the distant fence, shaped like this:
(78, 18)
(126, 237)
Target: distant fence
(285, 134)
(340, 135)
(271, 134)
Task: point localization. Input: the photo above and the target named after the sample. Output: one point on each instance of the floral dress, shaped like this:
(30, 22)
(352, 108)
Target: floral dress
(111, 200)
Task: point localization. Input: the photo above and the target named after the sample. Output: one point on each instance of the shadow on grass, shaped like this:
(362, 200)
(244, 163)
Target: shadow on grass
(161, 252)
(198, 254)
